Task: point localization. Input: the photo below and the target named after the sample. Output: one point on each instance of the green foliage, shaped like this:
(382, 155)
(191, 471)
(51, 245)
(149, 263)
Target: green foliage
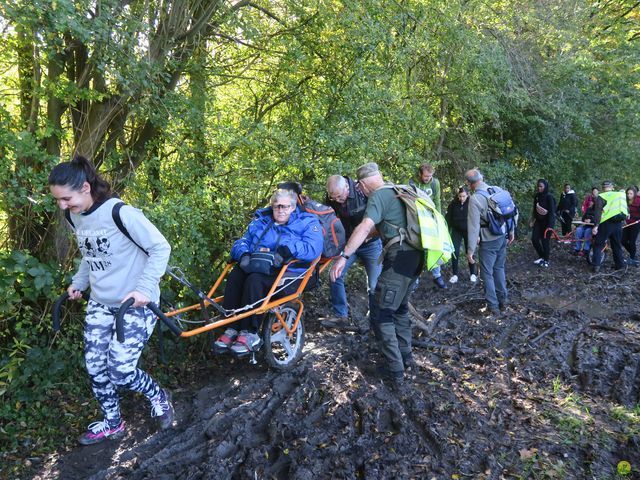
(24, 280)
(194, 115)
(33, 375)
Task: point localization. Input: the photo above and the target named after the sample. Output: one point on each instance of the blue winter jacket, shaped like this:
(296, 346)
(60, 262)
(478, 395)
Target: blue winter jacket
(302, 234)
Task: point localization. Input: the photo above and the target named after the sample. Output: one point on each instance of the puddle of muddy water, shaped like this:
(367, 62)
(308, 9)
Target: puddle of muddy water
(592, 308)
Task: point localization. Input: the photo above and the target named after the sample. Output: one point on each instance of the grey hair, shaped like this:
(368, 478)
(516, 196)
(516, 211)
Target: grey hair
(282, 193)
(473, 176)
(336, 181)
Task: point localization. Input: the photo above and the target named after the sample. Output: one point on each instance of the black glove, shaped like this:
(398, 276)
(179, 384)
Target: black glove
(244, 261)
(284, 252)
(277, 260)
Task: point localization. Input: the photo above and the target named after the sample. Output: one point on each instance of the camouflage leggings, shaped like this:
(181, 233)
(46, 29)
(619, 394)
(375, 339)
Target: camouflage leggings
(111, 364)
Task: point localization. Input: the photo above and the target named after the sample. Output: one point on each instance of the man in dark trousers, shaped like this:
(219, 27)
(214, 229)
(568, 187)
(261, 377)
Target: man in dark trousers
(567, 206)
(349, 203)
(609, 214)
(400, 268)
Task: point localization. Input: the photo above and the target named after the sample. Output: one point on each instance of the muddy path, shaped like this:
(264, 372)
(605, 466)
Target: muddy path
(549, 390)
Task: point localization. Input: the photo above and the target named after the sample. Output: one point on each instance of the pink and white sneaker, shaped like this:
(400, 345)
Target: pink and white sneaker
(101, 431)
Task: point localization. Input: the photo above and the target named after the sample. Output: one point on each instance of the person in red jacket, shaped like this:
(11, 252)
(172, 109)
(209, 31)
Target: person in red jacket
(632, 227)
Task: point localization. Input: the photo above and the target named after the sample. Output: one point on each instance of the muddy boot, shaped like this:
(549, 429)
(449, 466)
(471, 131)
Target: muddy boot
(362, 325)
(395, 380)
(410, 364)
(339, 323)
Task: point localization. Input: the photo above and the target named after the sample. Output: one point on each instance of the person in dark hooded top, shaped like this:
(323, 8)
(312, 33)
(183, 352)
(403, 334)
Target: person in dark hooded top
(567, 206)
(542, 217)
(456, 217)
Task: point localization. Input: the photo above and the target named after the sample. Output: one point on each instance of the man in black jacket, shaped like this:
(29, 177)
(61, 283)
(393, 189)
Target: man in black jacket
(567, 208)
(349, 203)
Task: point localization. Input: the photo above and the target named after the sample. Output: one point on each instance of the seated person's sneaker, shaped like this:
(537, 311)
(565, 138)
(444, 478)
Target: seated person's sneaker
(473, 278)
(224, 341)
(453, 279)
(101, 431)
(246, 343)
(162, 408)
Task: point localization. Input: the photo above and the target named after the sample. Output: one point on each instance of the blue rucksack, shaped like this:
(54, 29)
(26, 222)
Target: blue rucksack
(502, 211)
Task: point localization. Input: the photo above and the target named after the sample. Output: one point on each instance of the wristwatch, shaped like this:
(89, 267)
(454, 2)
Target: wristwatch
(344, 255)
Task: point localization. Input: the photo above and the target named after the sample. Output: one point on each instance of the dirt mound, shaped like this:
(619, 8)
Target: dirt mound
(551, 389)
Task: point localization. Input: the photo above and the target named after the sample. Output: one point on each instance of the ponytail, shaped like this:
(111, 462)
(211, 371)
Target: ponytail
(73, 174)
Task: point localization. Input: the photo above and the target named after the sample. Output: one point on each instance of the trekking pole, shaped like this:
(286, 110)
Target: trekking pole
(151, 306)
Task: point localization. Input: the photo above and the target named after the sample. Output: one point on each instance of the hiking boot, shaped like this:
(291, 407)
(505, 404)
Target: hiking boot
(246, 343)
(440, 283)
(473, 278)
(394, 379)
(101, 431)
(489, 310)
(454, 279)
(410, 365)
(339, 322)
(538, 261)
(162, 408)
(224, 341)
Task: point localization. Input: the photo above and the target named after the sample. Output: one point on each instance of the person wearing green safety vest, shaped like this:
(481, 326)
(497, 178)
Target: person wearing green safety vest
(610, 211)
(402, 263)
(431, 186)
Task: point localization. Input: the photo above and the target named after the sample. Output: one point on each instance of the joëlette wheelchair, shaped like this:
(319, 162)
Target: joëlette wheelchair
(570, 238)
(282, 329)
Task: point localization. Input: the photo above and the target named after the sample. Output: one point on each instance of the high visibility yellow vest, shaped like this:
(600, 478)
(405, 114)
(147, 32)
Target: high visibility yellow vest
(616, 203)
(434, 234)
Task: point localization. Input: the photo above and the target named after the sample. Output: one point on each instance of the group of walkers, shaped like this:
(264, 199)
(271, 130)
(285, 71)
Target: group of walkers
(374, 214)
(124, 256)
(608, 215)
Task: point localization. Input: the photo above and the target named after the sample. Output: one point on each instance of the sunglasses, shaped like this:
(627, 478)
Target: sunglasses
(281, 207)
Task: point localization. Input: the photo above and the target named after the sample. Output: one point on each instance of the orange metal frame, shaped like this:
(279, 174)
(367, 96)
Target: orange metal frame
(268, 304)
(569, 237)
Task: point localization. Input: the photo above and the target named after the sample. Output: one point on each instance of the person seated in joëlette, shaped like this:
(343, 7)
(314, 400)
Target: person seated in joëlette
(583, 231)
(278, 234)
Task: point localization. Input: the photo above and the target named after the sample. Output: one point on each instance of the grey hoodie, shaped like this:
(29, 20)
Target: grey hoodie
(112, 265)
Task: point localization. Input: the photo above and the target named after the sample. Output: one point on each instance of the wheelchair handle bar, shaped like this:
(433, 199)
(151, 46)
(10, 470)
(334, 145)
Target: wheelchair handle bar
(151, 306)
(55, 314)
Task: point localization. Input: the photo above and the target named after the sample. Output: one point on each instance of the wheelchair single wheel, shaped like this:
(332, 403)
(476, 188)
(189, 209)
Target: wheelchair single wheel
(590, 256)
(281, 350)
